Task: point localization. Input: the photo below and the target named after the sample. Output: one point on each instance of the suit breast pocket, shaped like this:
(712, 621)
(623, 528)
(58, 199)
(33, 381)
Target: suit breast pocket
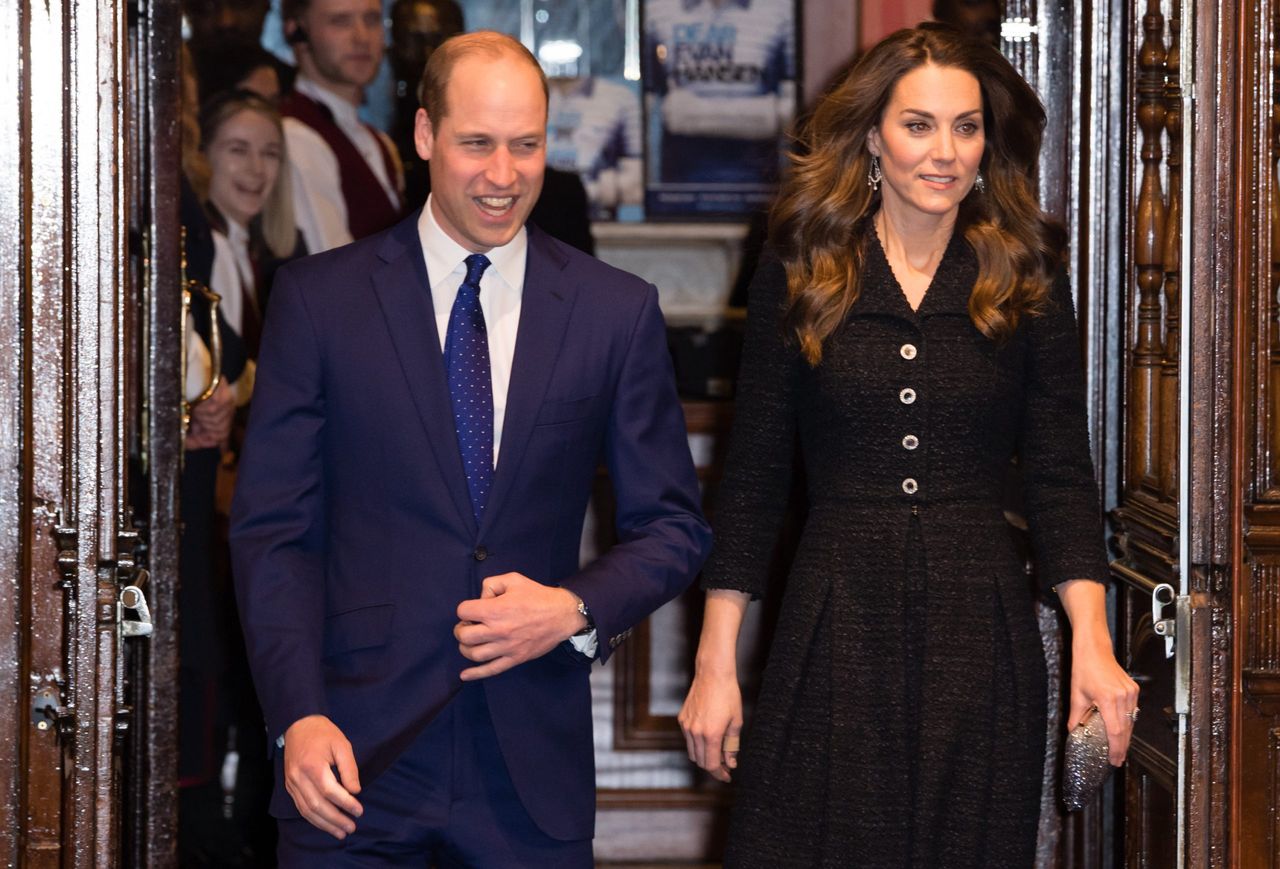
(566, 411)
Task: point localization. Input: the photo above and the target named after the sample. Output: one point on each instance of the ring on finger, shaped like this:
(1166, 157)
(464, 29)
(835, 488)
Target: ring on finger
(731, 743)
(1132, 715)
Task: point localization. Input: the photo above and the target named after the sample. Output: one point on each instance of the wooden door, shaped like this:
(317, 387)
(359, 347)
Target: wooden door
(1159, 142)
(84, 503)
(1252, 585)
(1194, 346)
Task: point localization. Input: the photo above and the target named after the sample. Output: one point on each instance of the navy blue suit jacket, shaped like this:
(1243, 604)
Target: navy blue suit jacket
(352, 532)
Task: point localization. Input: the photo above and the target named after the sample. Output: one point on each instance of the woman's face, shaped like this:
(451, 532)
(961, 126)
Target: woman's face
(930, 141)
(244, 157)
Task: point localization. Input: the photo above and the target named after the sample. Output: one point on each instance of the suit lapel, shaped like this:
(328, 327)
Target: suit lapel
(545, 305)
(404, 295)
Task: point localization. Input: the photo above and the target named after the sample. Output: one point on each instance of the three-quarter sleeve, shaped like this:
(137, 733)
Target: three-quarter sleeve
(1061, 494)
(752, 501)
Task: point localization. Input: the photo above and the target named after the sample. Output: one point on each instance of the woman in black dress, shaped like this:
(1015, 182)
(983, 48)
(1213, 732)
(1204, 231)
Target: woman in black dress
(912, 333)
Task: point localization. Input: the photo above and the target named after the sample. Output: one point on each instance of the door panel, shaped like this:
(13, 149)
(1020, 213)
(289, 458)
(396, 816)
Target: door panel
(69, 405)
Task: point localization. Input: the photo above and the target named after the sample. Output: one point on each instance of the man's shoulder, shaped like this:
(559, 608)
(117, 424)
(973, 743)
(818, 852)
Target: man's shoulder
(346, 267)
(595, 274)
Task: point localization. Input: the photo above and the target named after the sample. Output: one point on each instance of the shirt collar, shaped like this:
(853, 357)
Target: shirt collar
(342, 110)
(237, 233)
(444, 255)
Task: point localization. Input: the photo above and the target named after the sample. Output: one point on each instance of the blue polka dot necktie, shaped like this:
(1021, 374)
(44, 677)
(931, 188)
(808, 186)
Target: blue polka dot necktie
(466, 359)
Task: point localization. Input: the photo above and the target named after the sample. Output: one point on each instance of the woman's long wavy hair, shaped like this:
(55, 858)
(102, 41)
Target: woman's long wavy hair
(818, 218)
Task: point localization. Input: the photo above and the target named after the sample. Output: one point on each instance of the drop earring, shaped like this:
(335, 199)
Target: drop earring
(874, 175)
(980, 184)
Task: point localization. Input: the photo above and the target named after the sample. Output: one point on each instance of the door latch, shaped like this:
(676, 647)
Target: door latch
(1164, 596)
(49, 713)
(132, 598)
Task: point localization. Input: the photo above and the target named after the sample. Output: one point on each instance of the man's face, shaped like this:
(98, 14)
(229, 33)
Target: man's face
(488, 153)
(417, 29)
(344, 42)
(214, 19)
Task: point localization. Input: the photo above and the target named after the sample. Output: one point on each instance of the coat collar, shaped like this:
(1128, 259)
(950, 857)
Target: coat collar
(404, 293)
(545, 306)
(948, 293)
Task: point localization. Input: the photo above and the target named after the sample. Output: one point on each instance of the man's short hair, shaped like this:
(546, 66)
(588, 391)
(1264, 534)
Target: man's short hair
(435, 75)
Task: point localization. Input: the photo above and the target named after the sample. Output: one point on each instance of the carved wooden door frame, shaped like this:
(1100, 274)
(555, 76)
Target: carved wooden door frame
(88, 431)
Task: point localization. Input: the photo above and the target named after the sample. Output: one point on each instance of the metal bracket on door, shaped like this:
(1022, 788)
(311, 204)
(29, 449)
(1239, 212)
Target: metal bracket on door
(132, 598)
(131, 578)
(1163, 596)
(49, 713)
(1173, 630)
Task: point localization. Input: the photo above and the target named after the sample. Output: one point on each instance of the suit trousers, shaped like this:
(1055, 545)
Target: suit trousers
(448, 801)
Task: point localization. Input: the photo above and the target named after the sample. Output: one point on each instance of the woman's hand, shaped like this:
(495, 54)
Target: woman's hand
(1096, 678)
(711, 719)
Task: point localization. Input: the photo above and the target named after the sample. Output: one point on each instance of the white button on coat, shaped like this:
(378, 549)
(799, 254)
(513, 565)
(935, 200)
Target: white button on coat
(910, 486)
(910, 442)
(907, 396)
(908, 351)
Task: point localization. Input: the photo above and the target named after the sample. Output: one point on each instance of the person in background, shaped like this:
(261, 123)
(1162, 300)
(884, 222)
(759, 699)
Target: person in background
(251, 209)
(346, 176)
(911, 332)
(977, 18)
(417, 29)
(238, 20)
(205, 836)
(235, 65)
(594, 131)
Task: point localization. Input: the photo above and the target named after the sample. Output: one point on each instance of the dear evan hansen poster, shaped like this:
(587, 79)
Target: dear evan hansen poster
(720, 92)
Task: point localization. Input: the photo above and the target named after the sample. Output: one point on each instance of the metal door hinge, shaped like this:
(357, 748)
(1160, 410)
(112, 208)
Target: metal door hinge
(67, 537)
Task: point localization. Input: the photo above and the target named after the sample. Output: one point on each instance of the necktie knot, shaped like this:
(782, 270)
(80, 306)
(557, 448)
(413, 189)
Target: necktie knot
(476, 264)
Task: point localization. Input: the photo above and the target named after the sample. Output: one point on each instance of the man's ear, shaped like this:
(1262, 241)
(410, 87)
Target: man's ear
(423, 134)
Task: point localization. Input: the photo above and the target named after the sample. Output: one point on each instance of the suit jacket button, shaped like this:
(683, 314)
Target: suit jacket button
(480, 554)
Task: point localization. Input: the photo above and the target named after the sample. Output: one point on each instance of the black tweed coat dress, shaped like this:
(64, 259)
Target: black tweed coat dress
(901, 720)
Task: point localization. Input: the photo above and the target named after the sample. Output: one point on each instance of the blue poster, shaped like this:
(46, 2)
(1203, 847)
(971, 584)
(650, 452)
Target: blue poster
(720, 93)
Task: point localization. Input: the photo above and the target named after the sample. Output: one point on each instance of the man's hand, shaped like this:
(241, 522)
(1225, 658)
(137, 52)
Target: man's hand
(515, 620)
(211, 419)
(313, 747)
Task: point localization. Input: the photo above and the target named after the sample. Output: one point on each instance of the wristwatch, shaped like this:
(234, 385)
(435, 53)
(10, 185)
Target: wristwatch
(586, 614)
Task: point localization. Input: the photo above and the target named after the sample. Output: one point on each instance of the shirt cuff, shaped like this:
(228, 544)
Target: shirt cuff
(586, 644)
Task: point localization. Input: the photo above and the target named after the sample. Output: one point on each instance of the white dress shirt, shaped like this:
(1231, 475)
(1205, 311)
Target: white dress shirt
(501, 289)
(318, 205)
(231, 277)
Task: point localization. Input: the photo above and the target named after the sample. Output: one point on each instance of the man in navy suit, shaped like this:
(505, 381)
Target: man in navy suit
(431, 407)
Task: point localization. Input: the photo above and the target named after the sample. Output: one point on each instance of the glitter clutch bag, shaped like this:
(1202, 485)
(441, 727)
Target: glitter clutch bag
(1084, 761)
